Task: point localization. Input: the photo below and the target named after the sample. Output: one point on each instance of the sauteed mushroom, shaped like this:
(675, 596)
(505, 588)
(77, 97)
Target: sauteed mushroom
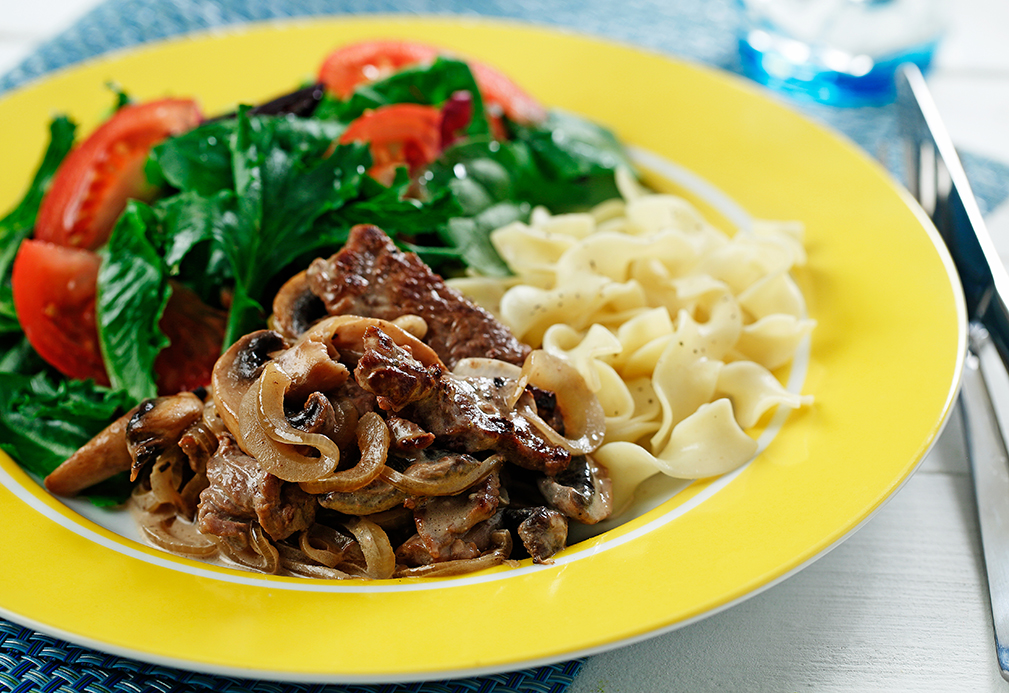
(99, 459)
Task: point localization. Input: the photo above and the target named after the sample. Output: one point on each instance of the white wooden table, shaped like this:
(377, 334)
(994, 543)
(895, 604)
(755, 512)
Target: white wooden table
(900, 606)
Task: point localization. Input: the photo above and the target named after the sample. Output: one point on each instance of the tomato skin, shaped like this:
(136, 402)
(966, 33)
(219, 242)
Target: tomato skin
(55, 274)
(359, 63)
(91, 187)
(500, 92)
(54, 296)
(370, 61)
(400, 134)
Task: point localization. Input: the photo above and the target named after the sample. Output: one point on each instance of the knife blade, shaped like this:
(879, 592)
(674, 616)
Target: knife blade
(937, 180)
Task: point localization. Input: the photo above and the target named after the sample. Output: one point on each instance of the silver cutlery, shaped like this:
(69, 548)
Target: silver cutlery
(936, 178)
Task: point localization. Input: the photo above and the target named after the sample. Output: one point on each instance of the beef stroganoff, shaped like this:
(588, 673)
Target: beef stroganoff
(675, 325)
(379, 421)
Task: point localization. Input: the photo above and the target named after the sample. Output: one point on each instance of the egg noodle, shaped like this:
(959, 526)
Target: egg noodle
(674, 324)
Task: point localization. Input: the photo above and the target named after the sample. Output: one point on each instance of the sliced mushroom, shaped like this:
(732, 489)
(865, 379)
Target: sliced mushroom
(376, 497)
(99, 459)
(442, 473)
(157, 425)
(296, 308)
(238, 368)
(543, 531)
(583, 491)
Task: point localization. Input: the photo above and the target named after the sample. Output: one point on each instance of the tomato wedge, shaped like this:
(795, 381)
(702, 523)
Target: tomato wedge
(359, 63)
(54, 296)
(400, 134)
(370, 61)
(92, 184)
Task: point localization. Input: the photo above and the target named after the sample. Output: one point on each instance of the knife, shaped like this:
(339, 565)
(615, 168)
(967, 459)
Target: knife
(937, 179)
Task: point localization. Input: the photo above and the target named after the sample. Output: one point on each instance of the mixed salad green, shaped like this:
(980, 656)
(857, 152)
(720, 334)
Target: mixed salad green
(246, 200)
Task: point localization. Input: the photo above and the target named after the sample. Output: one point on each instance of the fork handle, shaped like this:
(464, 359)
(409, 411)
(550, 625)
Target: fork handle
(989, 462)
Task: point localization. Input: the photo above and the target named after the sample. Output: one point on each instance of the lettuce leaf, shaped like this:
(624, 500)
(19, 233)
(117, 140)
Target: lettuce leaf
(132, 294)
(44, 420)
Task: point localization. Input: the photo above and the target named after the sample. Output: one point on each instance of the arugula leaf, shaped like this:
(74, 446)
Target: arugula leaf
(280, 194)
(486, 179)
(18, 356)
(198, 160)
(132, 294)
(189, 226)
(8, 316)
(396, 213)
(201, 160)
(43, 421)
(20, 221)
(574, 162)
(471, 235)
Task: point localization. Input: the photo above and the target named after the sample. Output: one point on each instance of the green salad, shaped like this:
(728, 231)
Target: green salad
(178, 252)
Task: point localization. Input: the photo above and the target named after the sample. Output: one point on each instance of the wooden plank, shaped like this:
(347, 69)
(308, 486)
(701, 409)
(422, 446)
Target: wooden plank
(900, 606)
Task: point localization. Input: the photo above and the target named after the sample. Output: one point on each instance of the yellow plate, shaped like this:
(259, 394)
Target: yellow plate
(883, 365)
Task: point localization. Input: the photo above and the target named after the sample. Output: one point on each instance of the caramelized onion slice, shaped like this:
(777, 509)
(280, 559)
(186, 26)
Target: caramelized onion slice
(347, 332)
(475, 367)
(237, 370)
(297, 562)
(584, 419)
(265, 433)
(456, 477)
(324, 545)
(167, 531)
(374, 543)
(373, 438)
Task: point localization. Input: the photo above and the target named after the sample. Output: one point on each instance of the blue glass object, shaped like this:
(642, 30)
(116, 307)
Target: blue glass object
(837, 52)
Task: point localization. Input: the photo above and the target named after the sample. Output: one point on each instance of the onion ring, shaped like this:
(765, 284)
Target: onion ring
(347, 332)
(265, 433)
(168, 532)
(374, 543)
(449, 485)
(584, 418)
(373, 439)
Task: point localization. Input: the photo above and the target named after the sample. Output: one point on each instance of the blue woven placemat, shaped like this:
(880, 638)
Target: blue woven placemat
(700, 30)
(30, 661)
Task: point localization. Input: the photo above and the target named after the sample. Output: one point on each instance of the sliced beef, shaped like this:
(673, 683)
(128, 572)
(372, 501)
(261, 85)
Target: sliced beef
(371, 277)
(406, 435)
(240, 493)
(464, 414)
(453, 528)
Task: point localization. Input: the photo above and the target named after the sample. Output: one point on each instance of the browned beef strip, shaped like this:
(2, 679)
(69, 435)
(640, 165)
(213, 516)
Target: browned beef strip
(241, 492)
(199, 443)
(451, 528)
(406, 435)
(371, 277)
(464, 414)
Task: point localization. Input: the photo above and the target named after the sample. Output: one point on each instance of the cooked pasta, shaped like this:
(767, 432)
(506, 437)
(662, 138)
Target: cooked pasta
(674, 324)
